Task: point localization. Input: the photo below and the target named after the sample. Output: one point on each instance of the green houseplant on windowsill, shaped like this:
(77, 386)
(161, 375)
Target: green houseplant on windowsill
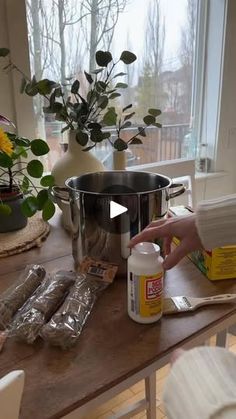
(24, 189)
(89, 116)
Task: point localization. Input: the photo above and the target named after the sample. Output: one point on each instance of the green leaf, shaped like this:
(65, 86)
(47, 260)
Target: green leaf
(128, 57)
(23, 84)
(110, 117)
(100, 86)
(48, 210)
(96, 136)
(154, 112)
(25, 184)
(102, 102)
(121, 86)
(103, 58)
(127, 107)
(19, 151)
(57, 107)
(114, 95)
(47, 181)
(4, 208)
(127, 124)
(149, 119)
(88, 77)
(119, 75)
(142, 132)
(94, 125)
(81, 137)
(4, 52)
(21, 141)
(39, 147)
(29, 206)
(48, 109)
(31, 88)
(5, 160)
(58, 92)
(129, 116)
(120, 144)
(42, 197)
(136, 141)
(75, 87)
(35, 168)
(106, 135)
(45, 86)
(156, 124)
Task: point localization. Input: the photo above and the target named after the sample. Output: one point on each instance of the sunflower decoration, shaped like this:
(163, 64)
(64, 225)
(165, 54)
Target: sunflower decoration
(6, 146)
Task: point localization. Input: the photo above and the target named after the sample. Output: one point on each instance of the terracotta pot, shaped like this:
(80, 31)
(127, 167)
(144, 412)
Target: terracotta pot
(16, 220)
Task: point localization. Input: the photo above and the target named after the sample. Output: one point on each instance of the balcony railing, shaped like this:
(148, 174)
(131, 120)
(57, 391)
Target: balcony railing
(158, 145)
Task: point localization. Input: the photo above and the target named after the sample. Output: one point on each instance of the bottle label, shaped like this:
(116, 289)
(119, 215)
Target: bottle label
(146, 294)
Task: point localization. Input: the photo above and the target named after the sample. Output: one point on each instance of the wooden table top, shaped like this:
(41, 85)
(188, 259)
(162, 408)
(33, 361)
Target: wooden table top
(112, 347)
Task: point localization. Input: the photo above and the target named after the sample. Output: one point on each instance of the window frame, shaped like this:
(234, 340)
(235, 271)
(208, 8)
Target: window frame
(18, 44)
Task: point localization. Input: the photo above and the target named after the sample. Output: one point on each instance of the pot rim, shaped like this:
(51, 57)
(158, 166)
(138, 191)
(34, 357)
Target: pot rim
(119, 193)
(6, 195)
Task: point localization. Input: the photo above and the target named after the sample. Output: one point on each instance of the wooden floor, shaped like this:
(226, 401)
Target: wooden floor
(136, 392)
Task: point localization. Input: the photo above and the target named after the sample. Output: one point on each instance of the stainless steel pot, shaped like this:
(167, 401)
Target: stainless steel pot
(95, 233)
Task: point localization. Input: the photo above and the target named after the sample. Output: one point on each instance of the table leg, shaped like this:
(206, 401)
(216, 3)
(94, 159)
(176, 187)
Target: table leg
(150, 391)
(221, 339)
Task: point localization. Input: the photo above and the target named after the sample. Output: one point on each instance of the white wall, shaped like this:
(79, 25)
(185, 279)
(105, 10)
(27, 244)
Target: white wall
(6, 96)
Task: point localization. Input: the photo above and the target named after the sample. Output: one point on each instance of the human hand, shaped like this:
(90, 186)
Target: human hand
(182, 227)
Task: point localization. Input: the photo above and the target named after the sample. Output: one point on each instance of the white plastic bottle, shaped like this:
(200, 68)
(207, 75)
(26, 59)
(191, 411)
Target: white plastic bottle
(145, 283)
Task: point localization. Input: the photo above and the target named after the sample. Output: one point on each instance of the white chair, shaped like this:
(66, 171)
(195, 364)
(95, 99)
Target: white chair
(11, 389)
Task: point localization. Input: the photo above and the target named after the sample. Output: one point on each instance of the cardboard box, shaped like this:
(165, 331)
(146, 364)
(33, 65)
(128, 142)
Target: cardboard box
(216, 264)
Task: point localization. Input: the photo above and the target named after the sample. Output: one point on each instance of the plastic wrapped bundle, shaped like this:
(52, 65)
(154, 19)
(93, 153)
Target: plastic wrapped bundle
(15, 296)
(40, 307)
(66, 324)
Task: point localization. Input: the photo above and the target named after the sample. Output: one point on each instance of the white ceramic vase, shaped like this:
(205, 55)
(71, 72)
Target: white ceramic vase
(119, 160)
(74, 162)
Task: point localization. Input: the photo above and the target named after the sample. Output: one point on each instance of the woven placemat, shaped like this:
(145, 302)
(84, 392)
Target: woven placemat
(30, 236)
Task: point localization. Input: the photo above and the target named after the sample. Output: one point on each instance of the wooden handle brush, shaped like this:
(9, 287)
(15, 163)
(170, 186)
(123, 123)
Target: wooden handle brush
(181, 304)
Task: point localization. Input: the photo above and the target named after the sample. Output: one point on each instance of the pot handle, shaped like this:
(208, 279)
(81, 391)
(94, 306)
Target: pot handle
(180, 191)
(59, 193)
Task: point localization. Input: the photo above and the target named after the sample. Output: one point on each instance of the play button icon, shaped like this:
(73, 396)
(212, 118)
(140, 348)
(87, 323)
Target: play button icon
(116, 209)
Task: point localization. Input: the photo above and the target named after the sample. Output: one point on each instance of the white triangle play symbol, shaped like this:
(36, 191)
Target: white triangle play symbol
(116, 209)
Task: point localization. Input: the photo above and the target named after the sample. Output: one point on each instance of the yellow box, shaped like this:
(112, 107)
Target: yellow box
(216, 264)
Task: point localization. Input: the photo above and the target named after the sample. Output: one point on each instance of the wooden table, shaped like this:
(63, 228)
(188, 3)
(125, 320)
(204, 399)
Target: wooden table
(113, 352)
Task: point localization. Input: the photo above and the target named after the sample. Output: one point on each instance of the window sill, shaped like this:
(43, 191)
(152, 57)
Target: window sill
(213, 175)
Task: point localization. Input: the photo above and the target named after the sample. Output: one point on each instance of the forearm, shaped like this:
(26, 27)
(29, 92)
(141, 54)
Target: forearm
(216, 222)
(202, 384)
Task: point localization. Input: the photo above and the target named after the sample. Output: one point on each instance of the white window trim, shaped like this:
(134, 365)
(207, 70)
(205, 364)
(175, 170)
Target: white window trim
(19, 47)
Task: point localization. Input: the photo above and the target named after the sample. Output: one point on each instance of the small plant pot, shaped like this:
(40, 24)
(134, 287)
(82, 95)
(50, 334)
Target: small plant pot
(16, 220)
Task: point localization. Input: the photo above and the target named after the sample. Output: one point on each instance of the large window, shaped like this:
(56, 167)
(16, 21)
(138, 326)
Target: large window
(64, 36)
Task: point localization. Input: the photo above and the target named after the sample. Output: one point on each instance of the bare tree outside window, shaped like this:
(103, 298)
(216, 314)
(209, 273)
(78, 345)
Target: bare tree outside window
(64, 36)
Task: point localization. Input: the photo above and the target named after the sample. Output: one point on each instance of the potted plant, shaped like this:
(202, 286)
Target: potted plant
(24, 189)
(89, 116)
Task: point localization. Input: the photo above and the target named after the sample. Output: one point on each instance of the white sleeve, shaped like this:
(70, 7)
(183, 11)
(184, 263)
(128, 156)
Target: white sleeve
(216, 222)
(202, 384)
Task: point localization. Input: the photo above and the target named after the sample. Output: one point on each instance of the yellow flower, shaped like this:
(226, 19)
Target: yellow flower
(5, 144)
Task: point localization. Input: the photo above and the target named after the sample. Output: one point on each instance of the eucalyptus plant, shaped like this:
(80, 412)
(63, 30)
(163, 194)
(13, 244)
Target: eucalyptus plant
(92, 114)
